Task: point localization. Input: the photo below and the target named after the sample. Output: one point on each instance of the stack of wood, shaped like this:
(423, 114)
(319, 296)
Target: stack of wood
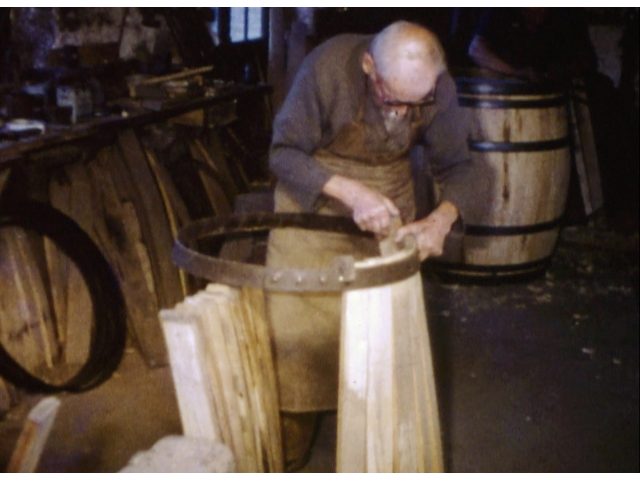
(130, 206)
(387, 408)
(95, 196)
(219, 349)
(30, 328)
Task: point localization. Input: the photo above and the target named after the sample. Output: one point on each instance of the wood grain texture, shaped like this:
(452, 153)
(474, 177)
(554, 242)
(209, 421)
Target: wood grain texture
(193, 386)
(236, 357)
(387, 410)
(528, 187)
(33, 436)
(27, 326)
(156, 231)
(175, 209)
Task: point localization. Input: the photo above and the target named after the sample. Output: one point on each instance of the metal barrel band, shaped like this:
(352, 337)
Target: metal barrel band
(534, 146)
(504, 86)
(491, 103)
(342, 274)
(484, 230)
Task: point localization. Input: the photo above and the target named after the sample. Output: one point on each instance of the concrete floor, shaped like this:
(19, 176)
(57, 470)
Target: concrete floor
(532, 377)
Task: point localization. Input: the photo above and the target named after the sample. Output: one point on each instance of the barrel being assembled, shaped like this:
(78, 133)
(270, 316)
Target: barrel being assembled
(520, 140)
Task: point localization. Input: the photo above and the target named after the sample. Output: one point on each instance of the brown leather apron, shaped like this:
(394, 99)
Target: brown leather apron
(306, 327)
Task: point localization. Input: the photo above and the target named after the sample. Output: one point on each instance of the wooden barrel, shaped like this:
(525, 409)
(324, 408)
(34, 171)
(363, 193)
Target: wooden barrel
(388, 417)
(520, 143)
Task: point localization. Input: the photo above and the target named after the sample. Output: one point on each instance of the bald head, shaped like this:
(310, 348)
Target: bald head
(408, 57)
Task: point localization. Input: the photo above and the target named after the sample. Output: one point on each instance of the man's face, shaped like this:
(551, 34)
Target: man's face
(407, 88)
(389, 96)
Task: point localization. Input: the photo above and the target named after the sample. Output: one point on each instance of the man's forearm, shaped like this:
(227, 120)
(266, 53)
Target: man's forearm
(340, 188)
(446, 213)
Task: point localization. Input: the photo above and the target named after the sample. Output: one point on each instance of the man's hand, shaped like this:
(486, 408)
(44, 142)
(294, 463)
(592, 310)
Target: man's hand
(431, 231)
(371, 210)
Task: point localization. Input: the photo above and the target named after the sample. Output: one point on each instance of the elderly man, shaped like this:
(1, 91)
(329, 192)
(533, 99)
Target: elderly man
(340, 147)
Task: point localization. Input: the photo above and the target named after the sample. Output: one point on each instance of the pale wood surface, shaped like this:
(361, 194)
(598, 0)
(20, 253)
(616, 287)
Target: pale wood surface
(193, 386)
(518, 124)
(33, 436)
(528, 187)
(351, 451)
(236, 357)
(388, 417)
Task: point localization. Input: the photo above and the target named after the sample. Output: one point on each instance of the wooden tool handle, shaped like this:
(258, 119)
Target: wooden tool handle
(177, 75)
(388, 245)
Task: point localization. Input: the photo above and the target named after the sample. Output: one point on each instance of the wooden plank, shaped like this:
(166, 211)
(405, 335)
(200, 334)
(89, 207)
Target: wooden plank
(429, 420)
(351, 455)
(585, 153)
(216, 160)
(238, 391)
(239, 370)
(190, 378)
(119, 235)
(387, 409)
(230, 168)
(79, 305)
(217, 186)
(33, 436)
(156, 231)
(405, 404)
(217, 346)
(249, 374)
(59, 264)
(255, 315)
(192, 308)
(175, 208)
(380, 386)
(26, 324)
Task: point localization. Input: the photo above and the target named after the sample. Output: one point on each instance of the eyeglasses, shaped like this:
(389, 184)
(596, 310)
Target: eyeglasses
(388, 101)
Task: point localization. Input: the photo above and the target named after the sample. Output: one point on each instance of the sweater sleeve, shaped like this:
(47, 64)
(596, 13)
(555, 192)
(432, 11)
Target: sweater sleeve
(297, 133)
(446, 149)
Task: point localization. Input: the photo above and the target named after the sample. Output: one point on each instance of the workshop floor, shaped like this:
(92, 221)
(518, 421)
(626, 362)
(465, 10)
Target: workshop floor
(532, 377)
